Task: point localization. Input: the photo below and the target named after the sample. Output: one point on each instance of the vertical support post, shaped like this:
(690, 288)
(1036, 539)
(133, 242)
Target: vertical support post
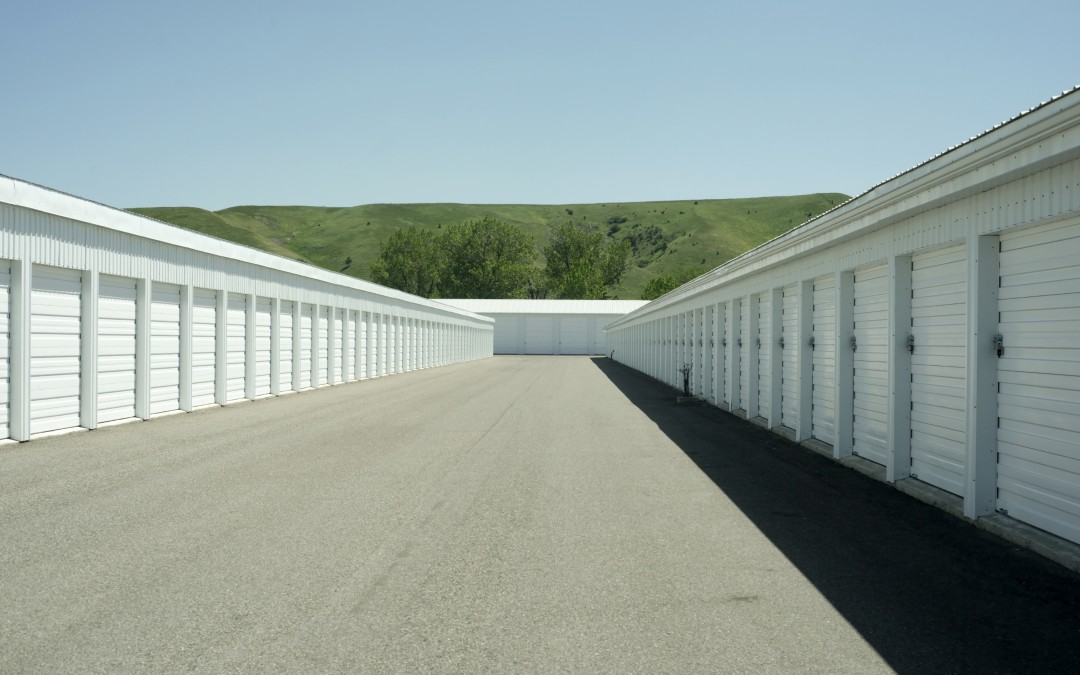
(898, 465)
(143, 310)
(776, 357)
(187, 314)
(983, 267)
(844, 360)
(804, 361)
(88, 346)
(22, 283)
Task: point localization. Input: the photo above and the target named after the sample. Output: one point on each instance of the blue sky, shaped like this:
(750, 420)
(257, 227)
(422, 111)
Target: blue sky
(216, 104)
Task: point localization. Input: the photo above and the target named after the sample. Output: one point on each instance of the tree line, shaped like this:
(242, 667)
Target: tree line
(489, 258)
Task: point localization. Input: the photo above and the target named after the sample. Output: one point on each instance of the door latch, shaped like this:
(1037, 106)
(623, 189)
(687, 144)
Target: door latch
(999, 345)
(911, 343)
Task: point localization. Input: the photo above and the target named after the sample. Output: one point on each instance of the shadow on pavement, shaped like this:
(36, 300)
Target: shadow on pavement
(931, 593)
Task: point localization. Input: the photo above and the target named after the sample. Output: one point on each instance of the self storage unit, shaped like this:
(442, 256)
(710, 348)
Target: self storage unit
(927, 330)
(107, 316)
(550, 326)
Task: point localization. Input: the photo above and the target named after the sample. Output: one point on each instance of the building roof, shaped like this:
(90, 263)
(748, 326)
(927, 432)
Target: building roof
(546, 306)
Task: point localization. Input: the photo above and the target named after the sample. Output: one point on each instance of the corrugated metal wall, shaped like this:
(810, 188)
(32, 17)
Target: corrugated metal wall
(106, 316)
(930, 327)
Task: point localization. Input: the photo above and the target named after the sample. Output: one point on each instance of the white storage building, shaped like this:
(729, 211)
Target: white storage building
(550, 326)
(927, 330)
(108, 316)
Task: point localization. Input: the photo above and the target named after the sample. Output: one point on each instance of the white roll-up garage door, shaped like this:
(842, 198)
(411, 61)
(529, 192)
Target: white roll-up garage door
(381, 362)
(823, 404)
(285, 345)
(55, 343)
(540, 334)
(1039, 378)
(765, 347)
(307, 328)
(742, 343)
(236, 348)
(939, 368)
(203, 347)
(338, 346)
(573, 335)
(323, 353)
(116, 349)
(264, 308)
(393, 345)
(720, 360)
(365, 345)
(506, 334)
(164, 348)
(352, 344)
(789, 358)
(871, 363)
(5, 349)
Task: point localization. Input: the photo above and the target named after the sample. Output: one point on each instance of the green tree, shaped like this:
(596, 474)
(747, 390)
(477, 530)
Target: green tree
(581, 265)
(666, 283)
(411, 261)
(486, 258)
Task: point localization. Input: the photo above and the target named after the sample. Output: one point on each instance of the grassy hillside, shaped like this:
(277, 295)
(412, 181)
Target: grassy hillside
(666, 236)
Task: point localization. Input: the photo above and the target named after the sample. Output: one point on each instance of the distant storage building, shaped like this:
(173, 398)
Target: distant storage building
(550, 326)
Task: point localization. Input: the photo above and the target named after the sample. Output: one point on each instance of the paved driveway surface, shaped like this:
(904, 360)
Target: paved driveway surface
(519, 514)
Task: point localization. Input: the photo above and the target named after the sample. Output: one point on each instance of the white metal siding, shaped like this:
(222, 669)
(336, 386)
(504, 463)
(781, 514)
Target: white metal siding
(116, 349)
(55, 343)
(323, 345)
(5, 349)
(263, 326)
(540, 334)
(869, 431)
(307, 318)
(939, 367)
(573, 335)
(203, 347)
(1039, 378)
(236, 348)
(285, 346)
(765, 346)
(823, 413)
(789, 389)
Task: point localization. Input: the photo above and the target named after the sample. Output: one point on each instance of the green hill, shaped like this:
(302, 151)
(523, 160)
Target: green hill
(665, 236)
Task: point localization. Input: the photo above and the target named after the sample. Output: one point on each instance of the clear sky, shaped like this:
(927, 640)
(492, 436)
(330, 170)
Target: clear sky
(220, 103)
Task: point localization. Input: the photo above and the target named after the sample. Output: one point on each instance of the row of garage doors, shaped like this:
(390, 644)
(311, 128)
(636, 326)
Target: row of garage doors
(1038, 369)
(333, 346)
(550, 333)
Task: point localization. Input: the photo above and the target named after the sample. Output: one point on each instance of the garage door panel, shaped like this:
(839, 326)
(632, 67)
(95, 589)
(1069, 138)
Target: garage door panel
(203, 347)
(236, 348)
(573, 335)
(1039, 378)
(539, 335)
(285, 345)
(55, 349)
